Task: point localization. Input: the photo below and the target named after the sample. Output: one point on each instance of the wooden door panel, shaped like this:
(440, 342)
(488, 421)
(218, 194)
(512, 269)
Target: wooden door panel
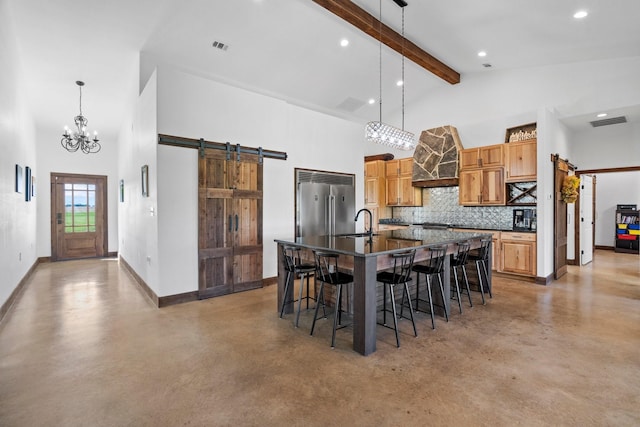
(78, 216)
(493, 186)
(230, 223)
(470, 187)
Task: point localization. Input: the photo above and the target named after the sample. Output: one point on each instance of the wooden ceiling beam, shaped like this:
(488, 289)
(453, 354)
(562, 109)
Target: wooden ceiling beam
(364, 21)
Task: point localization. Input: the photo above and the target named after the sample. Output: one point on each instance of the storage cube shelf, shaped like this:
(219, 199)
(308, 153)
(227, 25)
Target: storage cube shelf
(627, 237)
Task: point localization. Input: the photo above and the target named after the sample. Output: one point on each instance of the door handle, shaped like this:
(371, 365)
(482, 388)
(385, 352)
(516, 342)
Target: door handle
(59, 218)
(236, 222)
(230, 223)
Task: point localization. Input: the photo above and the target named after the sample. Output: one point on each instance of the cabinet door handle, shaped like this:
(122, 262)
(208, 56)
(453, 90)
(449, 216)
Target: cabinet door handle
(230, 223)
(236, 222)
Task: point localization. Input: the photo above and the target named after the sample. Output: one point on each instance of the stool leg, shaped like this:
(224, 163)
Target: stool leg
(300, 299)
(486, 277)
(444, 306)
(315, 315)
(413, 322)
(455, 275)
(466, 282)
(384, 304)
(287, 283)
(430, 296)
(393, 309)
(480, 281)
(336, 315)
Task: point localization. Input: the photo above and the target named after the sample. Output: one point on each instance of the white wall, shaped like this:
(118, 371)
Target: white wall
(138, 215)
(18, 226)
(604, 147)
(194, 107)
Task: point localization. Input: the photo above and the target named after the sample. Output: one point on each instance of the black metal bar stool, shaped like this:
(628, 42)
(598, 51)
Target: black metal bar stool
(401, 274)
(458, 261)
(296, 269)
(328, 273)
(433, 266)
(481, 259)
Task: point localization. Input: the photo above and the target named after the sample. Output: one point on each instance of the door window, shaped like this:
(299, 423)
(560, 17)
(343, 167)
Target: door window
(80, 208)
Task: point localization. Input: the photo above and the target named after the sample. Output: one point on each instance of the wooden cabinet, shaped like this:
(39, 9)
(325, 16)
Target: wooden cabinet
(229, 223)
(495, 246)
(400, 190)
(374, 183)
(482, 157)
(521, 161)
(375, 187)
(480, 187)
(518, 253)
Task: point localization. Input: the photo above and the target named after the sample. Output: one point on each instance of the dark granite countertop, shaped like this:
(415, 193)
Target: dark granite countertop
(377, 244)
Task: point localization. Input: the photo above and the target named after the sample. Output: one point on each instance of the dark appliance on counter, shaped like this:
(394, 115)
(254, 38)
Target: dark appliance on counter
(524, 220)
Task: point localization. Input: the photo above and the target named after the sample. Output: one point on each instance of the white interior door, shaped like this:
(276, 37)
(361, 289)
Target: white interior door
(586, 219)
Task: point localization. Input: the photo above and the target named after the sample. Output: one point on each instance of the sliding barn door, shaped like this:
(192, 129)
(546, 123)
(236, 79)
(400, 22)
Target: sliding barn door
(230, 223)
(561, 170)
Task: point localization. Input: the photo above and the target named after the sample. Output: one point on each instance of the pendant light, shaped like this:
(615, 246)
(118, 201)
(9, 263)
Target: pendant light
(382, 133)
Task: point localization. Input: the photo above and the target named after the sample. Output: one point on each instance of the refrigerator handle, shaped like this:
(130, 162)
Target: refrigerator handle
(332, 214)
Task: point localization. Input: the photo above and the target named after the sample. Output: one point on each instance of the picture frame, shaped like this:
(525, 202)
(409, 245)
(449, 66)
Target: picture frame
(27, 184)
(145, 181)
(19, 179)
(121, 190)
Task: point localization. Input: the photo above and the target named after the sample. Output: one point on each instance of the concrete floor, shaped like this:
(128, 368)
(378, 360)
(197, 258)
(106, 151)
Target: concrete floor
(83, 346)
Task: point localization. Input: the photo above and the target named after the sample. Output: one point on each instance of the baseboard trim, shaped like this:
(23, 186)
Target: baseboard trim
(606, 248)
(177, 299)
(44, 259)
(143, 285)
(269, 281)
(17, 291)
(544, 280)
(112, 254)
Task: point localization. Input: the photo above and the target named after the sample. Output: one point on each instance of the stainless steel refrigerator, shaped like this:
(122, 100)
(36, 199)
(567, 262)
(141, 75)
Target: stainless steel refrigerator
(325, 203)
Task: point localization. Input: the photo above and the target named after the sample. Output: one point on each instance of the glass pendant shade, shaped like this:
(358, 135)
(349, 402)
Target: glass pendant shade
(390, 136)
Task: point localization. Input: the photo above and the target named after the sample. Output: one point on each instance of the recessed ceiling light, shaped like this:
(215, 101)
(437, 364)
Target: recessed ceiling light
(344, 42)
(372, 101)
(602, 115)
(580, 14)
(399, 83)
(482, 54)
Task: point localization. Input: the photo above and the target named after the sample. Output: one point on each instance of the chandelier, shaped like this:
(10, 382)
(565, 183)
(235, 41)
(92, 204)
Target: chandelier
(379, 132)
(80, 138)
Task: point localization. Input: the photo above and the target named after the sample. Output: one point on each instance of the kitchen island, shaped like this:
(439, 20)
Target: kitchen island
(364, 256)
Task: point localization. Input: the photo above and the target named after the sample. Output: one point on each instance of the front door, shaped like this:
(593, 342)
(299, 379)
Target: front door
(78, 216)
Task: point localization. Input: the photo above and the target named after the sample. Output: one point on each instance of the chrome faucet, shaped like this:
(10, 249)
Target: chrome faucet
(370, 232)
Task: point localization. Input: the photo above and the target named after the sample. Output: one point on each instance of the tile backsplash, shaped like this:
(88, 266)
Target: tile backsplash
(441, 205)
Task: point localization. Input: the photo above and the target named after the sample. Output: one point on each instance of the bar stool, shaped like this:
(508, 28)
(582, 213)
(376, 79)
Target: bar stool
(433, 266)
(481, 258)
(328, 273)
(295, 269)
(401, 274)
(458, 261)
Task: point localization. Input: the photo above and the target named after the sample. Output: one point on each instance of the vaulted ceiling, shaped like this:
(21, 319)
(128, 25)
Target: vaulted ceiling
(291, 49)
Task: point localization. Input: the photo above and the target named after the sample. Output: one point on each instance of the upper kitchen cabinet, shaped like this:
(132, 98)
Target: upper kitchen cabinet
(521, 161)
(482, 157)
(482, 187)
(374, 182)
(400, 190)
(375, 187)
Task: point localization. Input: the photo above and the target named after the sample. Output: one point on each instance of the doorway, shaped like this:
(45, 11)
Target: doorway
(78, 216)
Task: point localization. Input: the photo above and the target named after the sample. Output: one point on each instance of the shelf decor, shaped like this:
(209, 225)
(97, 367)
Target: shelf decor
(570, 189)
(521, 133)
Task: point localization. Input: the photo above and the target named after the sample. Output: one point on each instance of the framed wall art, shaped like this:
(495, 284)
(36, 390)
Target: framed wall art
(145, 181)
(19, 179)
(27, 183)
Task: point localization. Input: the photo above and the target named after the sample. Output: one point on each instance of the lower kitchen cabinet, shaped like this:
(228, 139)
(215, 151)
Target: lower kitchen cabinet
(518, 253)
(402, 243)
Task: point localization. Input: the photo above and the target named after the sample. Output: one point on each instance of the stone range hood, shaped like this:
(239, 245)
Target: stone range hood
(435, 160)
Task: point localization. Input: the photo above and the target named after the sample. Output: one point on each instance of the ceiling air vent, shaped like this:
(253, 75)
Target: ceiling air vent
(220, 45)
(607, 122)
(350, 104)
